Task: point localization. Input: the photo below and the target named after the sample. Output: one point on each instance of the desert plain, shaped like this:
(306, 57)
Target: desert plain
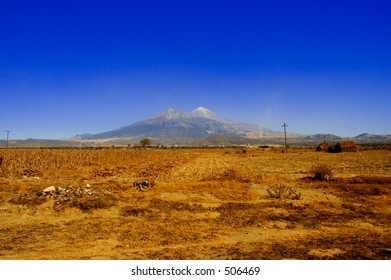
(195, 204)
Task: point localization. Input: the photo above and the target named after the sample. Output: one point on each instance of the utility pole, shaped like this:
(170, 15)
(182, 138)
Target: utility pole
(8, 133)
(286, 145)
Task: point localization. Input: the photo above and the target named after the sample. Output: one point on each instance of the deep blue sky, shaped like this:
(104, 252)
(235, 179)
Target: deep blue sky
(71, 67)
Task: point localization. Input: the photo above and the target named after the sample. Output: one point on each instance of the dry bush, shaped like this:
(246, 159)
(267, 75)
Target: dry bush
(241, 151)
(369, 180)
(226, 176)
(34, 162)
(283, 191)
(10, 167)
(322, 172)
(240, 214)
(143, 184)
(277, 191)
(29, 198)
(167, 206)
(349, 245)
(101, 163)
(88, 204)
(136, 212)
(363, 187)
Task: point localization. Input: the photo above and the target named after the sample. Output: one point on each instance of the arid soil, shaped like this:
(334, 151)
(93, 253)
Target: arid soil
(254, 203)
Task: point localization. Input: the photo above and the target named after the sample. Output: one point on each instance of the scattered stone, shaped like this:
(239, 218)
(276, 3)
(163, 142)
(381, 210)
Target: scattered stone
(49, 189)
(62, 196)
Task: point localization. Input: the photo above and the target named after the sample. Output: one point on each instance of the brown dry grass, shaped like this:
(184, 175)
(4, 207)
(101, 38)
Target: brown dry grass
(204, 204)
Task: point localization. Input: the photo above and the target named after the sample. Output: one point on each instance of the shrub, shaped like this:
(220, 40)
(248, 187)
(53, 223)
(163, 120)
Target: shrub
(28, 199)
(145, 142)
(93, 203)
(322, 172)
(143, 185)
(283, 191)
(136, 212)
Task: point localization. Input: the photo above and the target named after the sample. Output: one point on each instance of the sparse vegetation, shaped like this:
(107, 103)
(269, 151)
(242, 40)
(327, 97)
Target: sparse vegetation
(88, 204)
(145, 142)
(204, 204)
(282, 191)
(322, 172)
(143, 185)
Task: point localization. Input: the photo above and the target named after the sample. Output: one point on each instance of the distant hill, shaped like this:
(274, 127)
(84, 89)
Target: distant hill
(322, 138)
(214, 140)
(293, 139)
(372, 138)
(201, 127)
(173, 123)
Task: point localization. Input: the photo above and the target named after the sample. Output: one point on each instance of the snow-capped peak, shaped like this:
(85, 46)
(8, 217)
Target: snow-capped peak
(205, 113)
(202, 112)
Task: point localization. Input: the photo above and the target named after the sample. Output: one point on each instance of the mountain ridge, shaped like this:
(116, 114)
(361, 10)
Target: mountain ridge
(203, 127)
(173, 123)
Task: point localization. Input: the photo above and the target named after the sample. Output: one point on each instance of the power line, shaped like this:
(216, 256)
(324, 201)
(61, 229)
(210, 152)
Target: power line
(8, 133)
(286, 145)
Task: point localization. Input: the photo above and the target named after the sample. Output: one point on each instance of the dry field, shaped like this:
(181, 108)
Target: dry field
(198, 204)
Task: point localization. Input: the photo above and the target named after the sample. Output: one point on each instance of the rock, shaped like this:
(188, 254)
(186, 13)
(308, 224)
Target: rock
(49, 189)
(388, 251)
